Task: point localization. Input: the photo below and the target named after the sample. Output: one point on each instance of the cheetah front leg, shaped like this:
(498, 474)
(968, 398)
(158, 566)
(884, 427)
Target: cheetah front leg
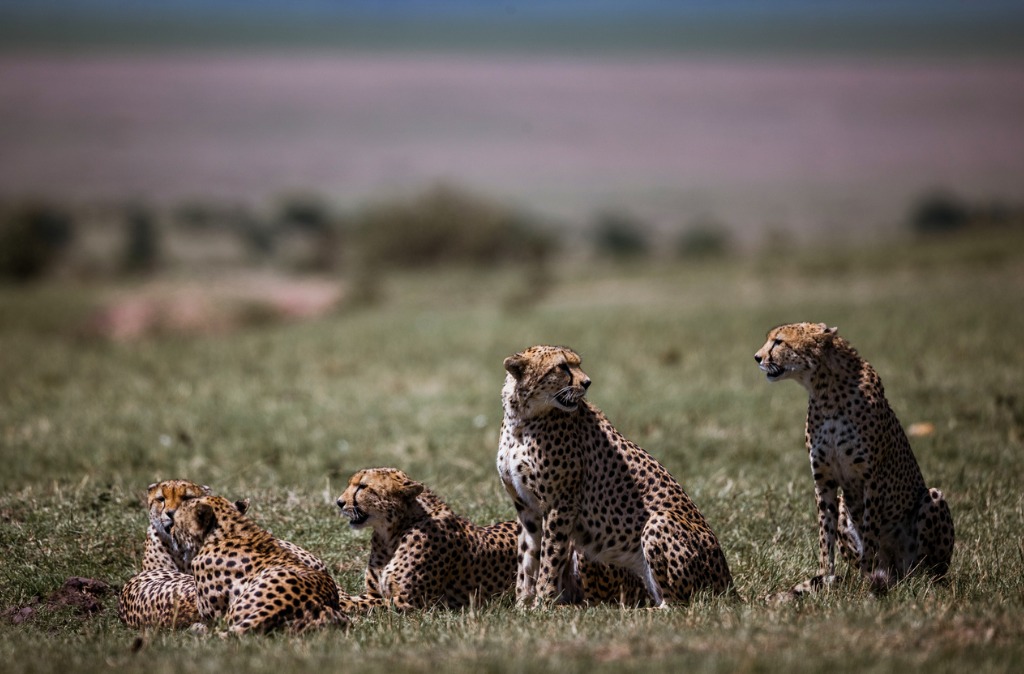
(554, 555)
(826, 497)
(528, 555)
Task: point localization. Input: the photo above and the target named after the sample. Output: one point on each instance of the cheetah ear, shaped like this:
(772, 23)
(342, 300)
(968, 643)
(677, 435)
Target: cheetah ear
(411, 488)
(205, 517)
(515, 366)
(829, 332)
(206, 490)
(242, 506)
(152, 486)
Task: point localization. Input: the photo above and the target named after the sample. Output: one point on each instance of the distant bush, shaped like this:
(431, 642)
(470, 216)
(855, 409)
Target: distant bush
(446, 225)
(938, 213)
(305, 212)
(704, 238)
(620, 235)
(141, 253)
(32, 238)
(256, 235)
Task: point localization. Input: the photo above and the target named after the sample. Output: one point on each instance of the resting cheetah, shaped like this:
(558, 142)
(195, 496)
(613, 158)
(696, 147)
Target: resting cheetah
(887, 521)
(422, 553)
(164, 593)
(575, 481)
(158, 598)
(163, 499)
(243, 574)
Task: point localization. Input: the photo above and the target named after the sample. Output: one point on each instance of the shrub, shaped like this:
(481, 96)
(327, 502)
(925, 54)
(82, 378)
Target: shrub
(447, 225)
(704, 238)
(307, 212)
(938, 213)
(620, 235)
(32, 237)
(141, 253)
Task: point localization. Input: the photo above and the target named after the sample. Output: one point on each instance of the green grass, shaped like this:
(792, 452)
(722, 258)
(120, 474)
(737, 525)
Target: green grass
(284, 414)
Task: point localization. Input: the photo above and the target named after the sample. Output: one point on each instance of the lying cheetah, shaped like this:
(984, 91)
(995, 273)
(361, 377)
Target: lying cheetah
(164, 593)
(867, 484)
(422, 553)
(244, 575)
(158, 598)
(575, 481)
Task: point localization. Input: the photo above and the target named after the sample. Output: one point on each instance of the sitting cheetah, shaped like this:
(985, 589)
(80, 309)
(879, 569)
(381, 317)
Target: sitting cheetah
(164, 593)
(422, 553)
(243, 574)
(888, 523)
(576, 482)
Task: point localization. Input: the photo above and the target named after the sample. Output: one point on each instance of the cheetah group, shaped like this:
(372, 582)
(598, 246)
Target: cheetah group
(598, 519)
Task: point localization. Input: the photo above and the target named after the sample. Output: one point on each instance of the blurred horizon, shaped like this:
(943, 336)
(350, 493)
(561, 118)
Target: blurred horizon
(817, 120)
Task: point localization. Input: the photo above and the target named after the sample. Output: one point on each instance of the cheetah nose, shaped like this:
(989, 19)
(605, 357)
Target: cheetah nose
(757, 358)
(341, 504)
(586, 384)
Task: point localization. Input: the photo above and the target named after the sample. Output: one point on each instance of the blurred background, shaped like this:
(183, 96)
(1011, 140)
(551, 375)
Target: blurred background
(334, 141)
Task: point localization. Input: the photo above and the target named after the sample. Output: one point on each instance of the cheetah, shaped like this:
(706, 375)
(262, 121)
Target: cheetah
(577, 483)
(158, 598)
(244, 575)
(869, 490)
(421, 552)
(163, 594)
(163, 500)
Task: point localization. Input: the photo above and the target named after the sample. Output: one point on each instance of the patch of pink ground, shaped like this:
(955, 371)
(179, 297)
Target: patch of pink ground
(212, 307)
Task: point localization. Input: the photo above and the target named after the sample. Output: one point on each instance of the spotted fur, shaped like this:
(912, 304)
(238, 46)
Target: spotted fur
(870, 494)
(421, 552)
(163, 499)
(164, 593)
(243, 575)
(576, 482)
(158, 598)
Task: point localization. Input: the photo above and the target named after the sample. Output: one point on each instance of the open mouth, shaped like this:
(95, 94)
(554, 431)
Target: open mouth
(567, 400)
(774, 371)
(356, 518)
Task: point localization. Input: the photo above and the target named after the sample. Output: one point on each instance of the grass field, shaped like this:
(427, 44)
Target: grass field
(284, 414)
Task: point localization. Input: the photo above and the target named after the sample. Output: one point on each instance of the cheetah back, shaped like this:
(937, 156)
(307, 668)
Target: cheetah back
(243, 574)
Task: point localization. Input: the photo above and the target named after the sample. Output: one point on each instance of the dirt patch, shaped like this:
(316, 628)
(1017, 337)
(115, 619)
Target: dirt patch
(81, 594)
(215, 307)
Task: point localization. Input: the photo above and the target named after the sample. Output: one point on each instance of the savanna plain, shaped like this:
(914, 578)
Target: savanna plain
(285, 413)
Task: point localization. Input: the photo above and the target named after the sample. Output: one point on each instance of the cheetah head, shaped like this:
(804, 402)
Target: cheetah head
(794, 351)
(164, 499)
(542, 379)
(197, 518)
(376, 497)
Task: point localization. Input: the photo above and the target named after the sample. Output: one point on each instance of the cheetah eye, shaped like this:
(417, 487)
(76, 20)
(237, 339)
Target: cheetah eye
(159, 499)
(188, 497)
(776, 342)
(564, 367)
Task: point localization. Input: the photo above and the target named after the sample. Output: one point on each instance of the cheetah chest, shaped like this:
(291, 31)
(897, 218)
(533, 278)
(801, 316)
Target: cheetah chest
(838, 454)
(517, 468)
